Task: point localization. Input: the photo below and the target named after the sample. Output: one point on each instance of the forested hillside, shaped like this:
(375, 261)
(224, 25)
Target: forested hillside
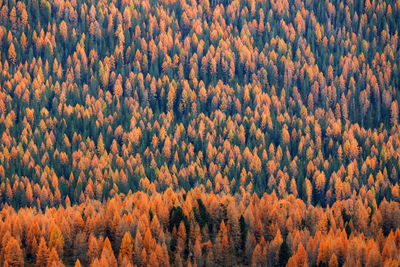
(169, 133)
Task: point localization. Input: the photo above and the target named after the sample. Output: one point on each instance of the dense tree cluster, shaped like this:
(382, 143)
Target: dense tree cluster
(294, 101)
(203, 229)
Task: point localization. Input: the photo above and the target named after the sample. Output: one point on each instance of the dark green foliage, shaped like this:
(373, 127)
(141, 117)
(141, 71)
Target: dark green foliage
(175, 217)
(284, 254)
(322, 264)
(348, 230)
(243, 232)
(345, 216)
(201, 214)
(151, 215)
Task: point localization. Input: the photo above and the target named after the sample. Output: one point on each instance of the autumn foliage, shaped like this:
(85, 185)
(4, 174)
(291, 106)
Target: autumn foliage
(209, 132)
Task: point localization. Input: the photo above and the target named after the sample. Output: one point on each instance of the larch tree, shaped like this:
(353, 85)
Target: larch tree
(108, 254)
(13, 253)
(12, 55)
(54, 259)
(126, 249)
(93, 249)
(56, 240)
(78, 263)
(333, 262)
(42, 255)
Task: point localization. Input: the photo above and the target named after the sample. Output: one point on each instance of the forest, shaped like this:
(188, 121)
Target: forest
(199, 133)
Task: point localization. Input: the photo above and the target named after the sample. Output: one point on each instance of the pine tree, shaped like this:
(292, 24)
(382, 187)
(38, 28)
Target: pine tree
(284, 254)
